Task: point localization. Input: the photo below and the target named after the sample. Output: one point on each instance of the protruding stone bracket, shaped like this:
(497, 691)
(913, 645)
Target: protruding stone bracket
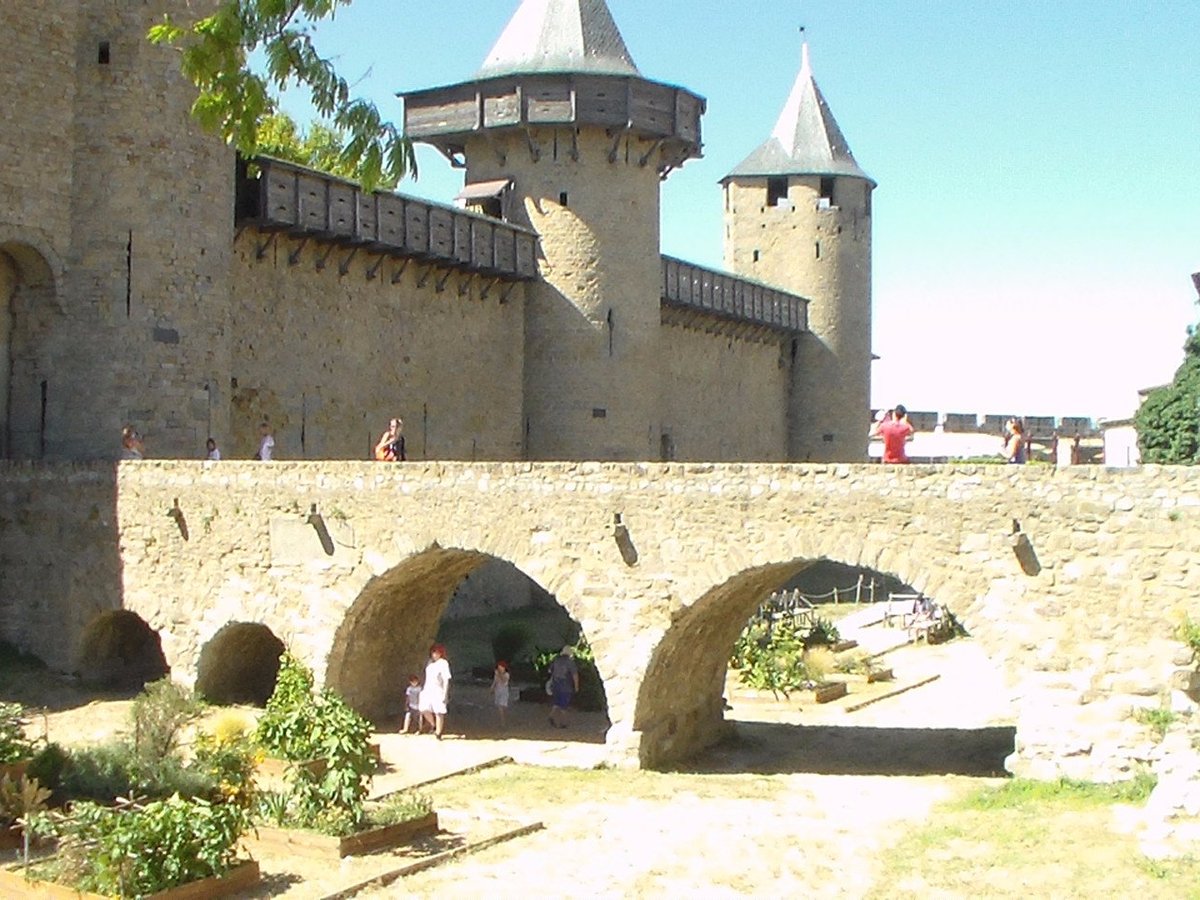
(535, 149)
(260, 250)
(440, 285)
(616, 145)
(645, 158)
(487, 288)
(423, 278)
(508, 289)
(294, 253)
(373, 271)
(323, 259)
(344, 265)
(399, 271)
(464, 284)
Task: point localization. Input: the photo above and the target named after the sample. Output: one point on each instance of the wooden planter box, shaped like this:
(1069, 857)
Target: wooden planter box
(274, 767)
(832, 690)
(843, 646)
(310, 844)
(237, 880)
(880, 675)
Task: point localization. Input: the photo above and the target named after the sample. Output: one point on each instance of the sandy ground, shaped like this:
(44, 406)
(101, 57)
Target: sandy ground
(824, 788)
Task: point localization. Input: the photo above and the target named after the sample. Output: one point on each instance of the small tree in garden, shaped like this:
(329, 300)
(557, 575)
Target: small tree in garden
(303, 726)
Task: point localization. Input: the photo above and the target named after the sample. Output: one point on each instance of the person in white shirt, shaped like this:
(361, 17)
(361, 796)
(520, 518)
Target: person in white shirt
(211, 451)
(266, 444)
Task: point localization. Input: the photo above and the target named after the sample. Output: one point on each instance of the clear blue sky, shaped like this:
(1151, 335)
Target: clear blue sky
(1038, 211)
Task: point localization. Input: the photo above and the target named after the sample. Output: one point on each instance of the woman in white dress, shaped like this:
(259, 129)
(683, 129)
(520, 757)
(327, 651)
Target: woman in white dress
(436, 690)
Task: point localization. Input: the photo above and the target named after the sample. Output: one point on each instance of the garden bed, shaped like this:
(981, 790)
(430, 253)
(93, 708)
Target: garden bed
(14, 884)
(831, 690)
(312, 844)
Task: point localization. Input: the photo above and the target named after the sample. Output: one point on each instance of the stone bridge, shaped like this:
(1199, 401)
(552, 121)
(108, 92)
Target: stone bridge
(1073, 580)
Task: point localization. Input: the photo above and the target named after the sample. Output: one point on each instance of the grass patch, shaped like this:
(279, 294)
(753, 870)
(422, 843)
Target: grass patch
(1027, 838)
(1022, 793)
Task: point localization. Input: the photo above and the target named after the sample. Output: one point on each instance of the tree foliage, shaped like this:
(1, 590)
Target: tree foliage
(1168, 421)
(235, 101)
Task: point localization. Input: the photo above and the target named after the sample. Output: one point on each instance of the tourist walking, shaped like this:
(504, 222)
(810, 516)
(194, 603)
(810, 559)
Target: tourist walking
(390, 446)
(500, 679)
(564, 685)
(436, 690)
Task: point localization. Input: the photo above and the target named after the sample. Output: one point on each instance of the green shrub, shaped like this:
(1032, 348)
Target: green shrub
(509, 641)
(139, 849)
(822, 633)
(47, 765)
(285, 728)
(299, 726)
(1189, 632)
(14, 746)
(1159, 721)
(106, 772)
(160, 712)
(400, 808)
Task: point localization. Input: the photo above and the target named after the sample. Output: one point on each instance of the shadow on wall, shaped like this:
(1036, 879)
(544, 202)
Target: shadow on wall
(764, 748)
(60, 566)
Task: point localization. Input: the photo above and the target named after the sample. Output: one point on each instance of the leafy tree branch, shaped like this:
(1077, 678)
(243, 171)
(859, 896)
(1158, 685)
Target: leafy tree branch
(234, 101)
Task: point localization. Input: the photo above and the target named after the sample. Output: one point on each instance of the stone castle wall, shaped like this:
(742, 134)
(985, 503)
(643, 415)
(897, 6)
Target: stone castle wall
(328, 355)
(353, 564)
(726, 398)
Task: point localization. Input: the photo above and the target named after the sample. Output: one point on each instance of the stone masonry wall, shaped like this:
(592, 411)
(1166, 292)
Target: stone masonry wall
(352, 565)
(724, 398)
(328, 356)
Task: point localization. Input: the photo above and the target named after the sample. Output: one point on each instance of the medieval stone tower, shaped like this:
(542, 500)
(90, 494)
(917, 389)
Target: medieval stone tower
(562, 129)
(798, 215)
(114, 239)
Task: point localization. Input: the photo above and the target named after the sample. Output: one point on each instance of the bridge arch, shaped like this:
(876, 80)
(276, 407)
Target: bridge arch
(387, 630)
(680, 705)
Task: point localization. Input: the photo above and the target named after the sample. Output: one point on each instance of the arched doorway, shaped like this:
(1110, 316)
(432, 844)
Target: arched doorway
(239, 664)
(28, 307)
(120, 650)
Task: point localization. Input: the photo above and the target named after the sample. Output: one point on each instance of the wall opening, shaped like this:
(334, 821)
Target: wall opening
(239, 664)
(805, 611)
(120, 650)
(777, 191)
(482, 609)
(28, 316)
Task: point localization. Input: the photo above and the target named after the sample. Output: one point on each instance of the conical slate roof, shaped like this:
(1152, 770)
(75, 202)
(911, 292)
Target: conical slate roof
(806, 139)
(560, 36)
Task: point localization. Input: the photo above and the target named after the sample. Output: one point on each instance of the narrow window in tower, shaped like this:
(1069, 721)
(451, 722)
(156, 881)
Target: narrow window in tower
(562, 198)
(827, 191)
(867, 202)
(777, 191)
(755, 256)
(818, 249)
(104, 55)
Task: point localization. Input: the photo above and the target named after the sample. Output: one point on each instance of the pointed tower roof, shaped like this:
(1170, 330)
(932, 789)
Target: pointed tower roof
(806, 139)
(560, 36)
